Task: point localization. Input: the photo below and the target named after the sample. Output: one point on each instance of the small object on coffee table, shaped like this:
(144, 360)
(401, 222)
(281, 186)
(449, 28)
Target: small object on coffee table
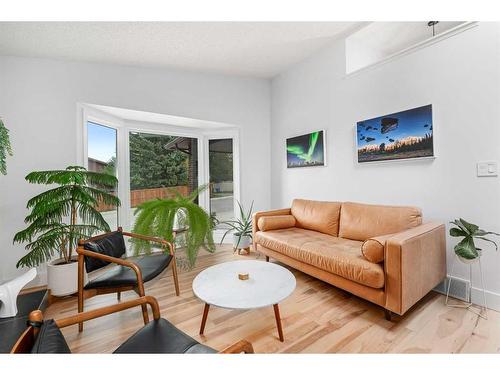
(243, 276)
(269, 285)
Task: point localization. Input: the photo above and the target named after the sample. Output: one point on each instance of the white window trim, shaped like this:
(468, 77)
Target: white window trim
(89, 114)
(233, 134)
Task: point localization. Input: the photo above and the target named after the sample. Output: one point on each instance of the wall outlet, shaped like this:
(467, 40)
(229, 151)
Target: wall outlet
(487, 169)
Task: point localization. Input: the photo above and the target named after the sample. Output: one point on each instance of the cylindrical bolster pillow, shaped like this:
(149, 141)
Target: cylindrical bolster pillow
(373, 248)
(266, 223)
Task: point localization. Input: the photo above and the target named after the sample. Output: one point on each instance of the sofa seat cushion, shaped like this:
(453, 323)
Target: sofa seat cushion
(332, 254)
(150, 265)
(161, 336)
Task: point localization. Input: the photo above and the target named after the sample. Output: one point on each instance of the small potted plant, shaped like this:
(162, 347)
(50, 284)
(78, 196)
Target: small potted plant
(466, 249)
(241, 228)
(60, 217)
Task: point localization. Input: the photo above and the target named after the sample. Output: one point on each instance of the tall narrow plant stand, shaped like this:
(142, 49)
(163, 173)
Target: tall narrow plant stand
(483, 310)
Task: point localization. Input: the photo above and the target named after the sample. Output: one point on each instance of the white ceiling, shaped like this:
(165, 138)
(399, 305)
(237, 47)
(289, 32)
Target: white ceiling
(257, 49)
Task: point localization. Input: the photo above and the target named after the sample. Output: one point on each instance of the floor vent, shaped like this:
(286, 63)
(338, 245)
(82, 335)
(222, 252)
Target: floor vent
(459, 288)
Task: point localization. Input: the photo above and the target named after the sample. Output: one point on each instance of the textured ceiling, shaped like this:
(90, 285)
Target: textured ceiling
(256, 49)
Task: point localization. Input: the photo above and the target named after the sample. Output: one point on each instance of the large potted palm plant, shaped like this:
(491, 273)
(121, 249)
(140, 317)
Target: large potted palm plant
(61, 216)
(158, 218)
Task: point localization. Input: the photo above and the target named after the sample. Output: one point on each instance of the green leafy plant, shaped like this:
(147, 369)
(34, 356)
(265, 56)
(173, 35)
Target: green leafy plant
(241, 227)
(5, 147)
(65, 214)
(157, 218)
(466, 248)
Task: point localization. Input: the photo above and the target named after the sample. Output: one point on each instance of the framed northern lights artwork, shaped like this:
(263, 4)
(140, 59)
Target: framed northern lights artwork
(399, 136)
(306, 150)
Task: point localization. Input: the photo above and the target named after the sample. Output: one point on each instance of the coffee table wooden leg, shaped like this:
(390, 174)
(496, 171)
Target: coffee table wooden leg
(204, 318)
(278, 322)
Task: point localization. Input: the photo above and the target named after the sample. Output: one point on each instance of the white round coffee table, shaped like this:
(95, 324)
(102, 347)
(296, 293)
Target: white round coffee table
(268, 284)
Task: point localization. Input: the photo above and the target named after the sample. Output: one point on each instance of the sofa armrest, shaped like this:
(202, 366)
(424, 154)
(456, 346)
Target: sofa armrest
(415, 262)
(257, 215)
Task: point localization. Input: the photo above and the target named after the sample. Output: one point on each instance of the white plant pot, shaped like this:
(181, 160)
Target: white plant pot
(469, 261)
(245, 242)
(62, 279)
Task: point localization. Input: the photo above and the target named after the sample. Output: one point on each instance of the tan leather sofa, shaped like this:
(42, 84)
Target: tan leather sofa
(384, 254)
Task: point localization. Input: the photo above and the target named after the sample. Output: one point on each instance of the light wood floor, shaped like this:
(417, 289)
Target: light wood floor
(317, 318)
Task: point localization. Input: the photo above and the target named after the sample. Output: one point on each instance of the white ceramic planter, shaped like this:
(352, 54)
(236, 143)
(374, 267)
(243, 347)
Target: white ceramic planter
(469, 261)
(62, 279)
(244, 242)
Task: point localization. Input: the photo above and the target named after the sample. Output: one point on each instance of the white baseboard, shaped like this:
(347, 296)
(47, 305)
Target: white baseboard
(492, 298)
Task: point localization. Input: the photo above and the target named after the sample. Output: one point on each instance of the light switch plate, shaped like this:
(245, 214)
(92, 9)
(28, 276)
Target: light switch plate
(487, 169)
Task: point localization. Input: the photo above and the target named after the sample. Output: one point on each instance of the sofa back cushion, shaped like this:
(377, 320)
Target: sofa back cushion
(360, 221)
(316, 215)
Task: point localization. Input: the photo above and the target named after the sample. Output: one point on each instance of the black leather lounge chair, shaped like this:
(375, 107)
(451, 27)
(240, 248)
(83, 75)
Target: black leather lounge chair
(157, 336)
(129, 274)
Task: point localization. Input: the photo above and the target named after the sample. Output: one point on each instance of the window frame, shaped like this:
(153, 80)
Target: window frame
(224, 134)
(123, 128)
(103, 119)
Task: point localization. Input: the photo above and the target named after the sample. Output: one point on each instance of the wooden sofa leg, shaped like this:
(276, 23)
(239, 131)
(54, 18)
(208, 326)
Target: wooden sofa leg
(118, 296)
(388, 315)
(267, 258)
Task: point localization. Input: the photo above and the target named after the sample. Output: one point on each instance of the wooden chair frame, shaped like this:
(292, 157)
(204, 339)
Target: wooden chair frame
(26, 341)
(139, 289)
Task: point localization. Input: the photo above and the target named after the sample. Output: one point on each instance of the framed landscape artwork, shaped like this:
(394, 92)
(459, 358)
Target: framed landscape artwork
(306, 150)
(398, 136)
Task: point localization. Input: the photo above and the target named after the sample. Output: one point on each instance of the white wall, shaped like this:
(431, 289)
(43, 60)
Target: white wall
(460, 76)
(38, 102)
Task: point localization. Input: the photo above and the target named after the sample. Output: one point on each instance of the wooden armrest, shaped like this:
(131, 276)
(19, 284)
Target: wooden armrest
(80, 250)
(26, 340)
(103, 311)
(152, 239)
(241, 346)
